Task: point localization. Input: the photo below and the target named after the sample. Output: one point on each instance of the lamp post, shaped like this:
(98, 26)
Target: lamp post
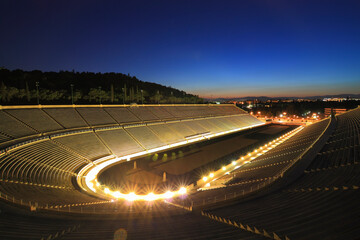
(37, 92)
(142, 98)
(123, 95)
(72, 93)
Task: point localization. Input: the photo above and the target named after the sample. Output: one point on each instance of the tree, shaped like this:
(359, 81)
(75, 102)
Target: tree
(125, 93)
(165, 157)
(131, 94)
(137, 94)
(3, 92)
(95, 94)
(134, 90)
(112, 93)
(27, 91)
(77, 96)
(12, 93)
(155, 157)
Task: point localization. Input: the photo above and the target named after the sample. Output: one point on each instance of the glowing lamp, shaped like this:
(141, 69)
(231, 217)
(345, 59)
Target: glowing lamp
(150, 197)
(168, 195)
(182, 190)
(116, 194)
(131, 197)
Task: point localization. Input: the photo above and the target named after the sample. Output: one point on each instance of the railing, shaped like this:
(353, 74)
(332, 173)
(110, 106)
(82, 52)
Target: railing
(87, 207)
(57, 235)
(245, 227)
(235, 194)
(114, 105)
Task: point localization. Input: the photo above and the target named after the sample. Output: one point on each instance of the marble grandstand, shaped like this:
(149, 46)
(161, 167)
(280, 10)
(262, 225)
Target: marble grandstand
(303, 185)
(47, 146)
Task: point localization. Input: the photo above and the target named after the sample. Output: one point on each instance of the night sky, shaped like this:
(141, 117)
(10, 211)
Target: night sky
(210, 48)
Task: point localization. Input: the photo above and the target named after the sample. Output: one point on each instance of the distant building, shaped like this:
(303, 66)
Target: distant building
(334, 99)
(305, 100)
(327, 111)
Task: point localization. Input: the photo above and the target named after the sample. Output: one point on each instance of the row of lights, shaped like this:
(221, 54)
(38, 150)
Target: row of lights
(94, 168)
(255, 154)
(148, 197)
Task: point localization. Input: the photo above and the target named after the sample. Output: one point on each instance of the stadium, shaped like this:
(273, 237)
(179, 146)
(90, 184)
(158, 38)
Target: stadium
(176, 171)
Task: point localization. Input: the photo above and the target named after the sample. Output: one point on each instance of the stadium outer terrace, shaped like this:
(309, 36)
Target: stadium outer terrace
(44, 148)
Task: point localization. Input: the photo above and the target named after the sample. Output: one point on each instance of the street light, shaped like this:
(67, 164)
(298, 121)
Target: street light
(72, 93)
(123, 95)
(37, 92)
(142, 99)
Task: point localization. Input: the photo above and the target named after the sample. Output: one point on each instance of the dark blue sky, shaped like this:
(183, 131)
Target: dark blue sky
(210, 48)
